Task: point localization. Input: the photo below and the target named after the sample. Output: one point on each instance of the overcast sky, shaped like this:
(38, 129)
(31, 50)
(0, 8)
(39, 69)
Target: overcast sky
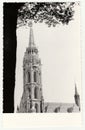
(59, 50)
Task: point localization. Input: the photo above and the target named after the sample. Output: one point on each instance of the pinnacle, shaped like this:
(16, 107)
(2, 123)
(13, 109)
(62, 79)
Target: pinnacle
(31, 36)
(76, 93)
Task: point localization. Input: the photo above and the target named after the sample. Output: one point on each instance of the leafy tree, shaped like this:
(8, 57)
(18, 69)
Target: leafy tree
(51, 13)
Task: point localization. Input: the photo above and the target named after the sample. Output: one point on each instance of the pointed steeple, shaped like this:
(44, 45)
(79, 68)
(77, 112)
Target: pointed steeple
(31, 36)
(76, 93)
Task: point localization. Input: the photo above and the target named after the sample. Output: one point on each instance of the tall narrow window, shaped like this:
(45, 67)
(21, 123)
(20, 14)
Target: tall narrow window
(28, 77)
(36, 92)
(35, 77)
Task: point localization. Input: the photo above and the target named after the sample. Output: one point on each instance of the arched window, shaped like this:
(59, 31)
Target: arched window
(28, 77)
(36, 92)
(35, 76)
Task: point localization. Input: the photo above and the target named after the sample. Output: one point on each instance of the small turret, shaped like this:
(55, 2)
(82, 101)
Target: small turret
(77, 97)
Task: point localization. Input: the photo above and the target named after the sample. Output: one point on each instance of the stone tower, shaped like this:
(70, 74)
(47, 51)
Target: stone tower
(32, 98)
(77, 97)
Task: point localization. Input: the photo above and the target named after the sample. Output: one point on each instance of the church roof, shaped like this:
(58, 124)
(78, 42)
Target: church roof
(61, 107)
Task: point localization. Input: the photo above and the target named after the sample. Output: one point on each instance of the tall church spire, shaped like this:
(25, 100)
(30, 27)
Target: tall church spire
(32, 97)
(31, 36)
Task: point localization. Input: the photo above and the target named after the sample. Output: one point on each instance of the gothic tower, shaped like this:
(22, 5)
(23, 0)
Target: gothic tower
(32, 98)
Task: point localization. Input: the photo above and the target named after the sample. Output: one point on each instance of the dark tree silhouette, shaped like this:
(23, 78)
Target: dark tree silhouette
(9, 54)
(50, 13)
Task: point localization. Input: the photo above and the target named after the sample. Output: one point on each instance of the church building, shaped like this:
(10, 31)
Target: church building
(32, 100)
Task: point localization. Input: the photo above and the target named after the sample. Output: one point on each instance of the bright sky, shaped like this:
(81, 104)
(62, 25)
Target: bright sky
(59, 50)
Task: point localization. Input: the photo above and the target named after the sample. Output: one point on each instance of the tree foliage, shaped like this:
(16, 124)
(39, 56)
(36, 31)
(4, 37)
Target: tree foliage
(51, 13)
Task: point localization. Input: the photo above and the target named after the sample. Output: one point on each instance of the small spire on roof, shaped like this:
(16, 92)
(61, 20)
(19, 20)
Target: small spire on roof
(76, 93)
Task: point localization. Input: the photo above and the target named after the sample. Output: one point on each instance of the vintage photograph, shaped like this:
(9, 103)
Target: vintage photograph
(41, 57)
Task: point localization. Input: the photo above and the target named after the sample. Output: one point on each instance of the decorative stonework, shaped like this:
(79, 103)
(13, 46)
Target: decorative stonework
(32, 98)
